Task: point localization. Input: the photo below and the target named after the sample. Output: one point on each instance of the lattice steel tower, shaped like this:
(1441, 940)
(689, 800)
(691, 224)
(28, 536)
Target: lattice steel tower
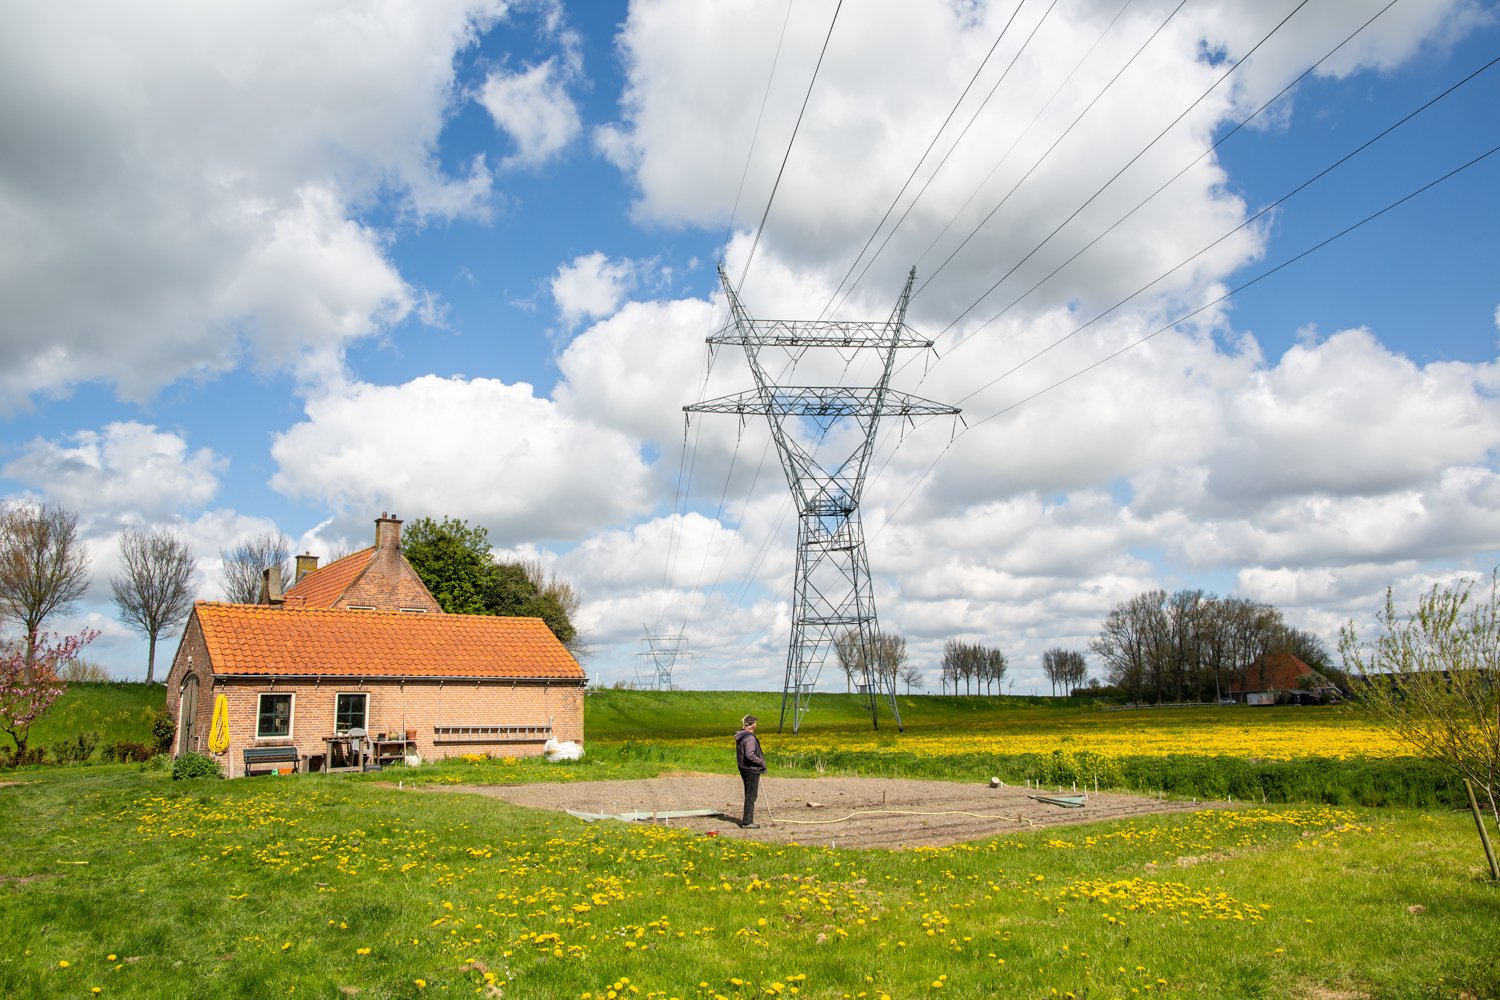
(660, 656)
(833, 594)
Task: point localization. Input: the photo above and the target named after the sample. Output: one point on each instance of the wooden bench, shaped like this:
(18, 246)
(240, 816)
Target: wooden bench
(271, 755)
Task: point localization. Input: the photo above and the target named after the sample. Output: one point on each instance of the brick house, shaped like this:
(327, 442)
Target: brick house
(361, 644)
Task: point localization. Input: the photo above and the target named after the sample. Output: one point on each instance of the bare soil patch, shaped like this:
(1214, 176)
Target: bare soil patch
(890, 813)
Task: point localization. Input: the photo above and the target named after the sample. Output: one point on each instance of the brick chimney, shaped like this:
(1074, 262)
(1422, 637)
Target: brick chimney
(306, 563)
(270, 585)
(388, 532)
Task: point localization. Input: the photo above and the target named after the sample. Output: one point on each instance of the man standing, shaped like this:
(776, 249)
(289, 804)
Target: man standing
(752, 764)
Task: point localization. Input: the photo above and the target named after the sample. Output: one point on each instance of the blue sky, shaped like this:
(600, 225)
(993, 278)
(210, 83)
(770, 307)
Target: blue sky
(458, 258)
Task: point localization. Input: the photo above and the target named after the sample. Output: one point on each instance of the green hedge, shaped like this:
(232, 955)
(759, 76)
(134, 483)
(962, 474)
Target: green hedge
(1399, 781)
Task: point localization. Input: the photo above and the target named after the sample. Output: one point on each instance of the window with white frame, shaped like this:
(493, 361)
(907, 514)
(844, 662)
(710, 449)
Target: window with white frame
(350, 712)
(273, 718)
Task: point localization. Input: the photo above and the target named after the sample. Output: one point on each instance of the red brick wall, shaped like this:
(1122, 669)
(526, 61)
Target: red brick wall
(388, 584)
(192, 657)
(393, 707)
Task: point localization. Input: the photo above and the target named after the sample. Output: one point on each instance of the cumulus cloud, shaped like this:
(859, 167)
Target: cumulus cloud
(179, 186)
(480, 449)
(122, 473)
(534, 109)
(591, 287)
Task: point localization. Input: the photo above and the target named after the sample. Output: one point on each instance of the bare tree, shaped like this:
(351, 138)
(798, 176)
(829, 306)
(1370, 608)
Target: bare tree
(1077, 673)
(550, 586)
(995, 667)
(890, 657)
(1065, 667)
(244, 563)
(154, 591)
(44, 568)
(851, 657)
(911, 674)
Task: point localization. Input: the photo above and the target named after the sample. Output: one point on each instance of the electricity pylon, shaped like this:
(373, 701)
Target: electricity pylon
(661, 656)
(833, 594)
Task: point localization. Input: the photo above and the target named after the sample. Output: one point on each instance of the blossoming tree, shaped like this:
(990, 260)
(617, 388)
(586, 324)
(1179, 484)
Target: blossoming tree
(26, 694)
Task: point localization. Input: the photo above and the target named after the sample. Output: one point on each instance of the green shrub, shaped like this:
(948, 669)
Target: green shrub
(76, 748)
(26, 758)
(195, 765)
(127, 751)
(163, 729)
(158, 762)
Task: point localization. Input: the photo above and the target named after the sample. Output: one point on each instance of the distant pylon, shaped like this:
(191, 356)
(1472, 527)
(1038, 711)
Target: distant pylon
(660, 656)
(833, 593)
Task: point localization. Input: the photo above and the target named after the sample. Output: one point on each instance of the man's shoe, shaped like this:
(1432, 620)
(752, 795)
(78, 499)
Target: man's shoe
(749, 826)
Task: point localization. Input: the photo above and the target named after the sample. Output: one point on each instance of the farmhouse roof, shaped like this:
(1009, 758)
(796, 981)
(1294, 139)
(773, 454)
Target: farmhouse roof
(323, 587)
(257, 640)
(1275, 672)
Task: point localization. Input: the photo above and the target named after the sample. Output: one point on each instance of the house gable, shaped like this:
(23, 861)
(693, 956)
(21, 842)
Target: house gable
(378, 578)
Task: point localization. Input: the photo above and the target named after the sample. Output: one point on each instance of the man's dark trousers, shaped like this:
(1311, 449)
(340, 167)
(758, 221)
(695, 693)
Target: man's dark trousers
(752, 791)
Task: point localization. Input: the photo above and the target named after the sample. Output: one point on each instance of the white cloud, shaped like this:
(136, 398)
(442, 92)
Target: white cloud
(125, 472)
(591, 287)
(534, 109)
(492, 453)
(891, 76)
(179, 183)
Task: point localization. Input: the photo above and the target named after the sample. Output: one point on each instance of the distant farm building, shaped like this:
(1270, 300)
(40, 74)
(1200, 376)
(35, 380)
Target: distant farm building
(1281, 678)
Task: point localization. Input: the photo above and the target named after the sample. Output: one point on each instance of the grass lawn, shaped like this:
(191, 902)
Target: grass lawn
(122, 881)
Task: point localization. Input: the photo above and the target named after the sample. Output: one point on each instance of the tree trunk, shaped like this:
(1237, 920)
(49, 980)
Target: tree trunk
(151, 660)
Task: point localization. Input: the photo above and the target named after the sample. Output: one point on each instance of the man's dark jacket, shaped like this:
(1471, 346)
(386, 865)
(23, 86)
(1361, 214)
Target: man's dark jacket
(747, 753)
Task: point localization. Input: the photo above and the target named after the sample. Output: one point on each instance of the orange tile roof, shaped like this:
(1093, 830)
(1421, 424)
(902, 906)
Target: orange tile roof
(253, 639)
(1274, 671)
(323, 586)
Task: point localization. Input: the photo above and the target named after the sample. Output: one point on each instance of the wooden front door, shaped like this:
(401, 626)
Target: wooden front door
(187, 715)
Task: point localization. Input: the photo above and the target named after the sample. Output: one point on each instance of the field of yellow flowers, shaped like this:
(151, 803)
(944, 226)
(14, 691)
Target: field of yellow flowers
(1247, 733)
(1281, 754)
(123, 883)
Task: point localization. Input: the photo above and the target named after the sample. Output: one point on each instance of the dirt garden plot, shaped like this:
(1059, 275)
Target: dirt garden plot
(844, 812)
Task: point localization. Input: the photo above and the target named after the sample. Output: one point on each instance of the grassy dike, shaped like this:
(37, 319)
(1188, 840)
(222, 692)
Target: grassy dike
(119, 880)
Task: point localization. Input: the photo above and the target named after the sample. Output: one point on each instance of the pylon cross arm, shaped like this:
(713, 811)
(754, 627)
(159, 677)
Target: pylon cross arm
(829, 401)
(818, 333)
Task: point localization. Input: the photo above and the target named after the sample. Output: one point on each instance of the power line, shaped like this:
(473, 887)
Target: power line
(1178, 320)
(930, 145)
(790, 142)
(1247, 222)
(1005, 156)
(1188, 166)
(1241, 287)
(1065, 133)
(1133, 160)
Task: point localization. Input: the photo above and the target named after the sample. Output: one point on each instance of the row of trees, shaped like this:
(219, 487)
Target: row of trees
(1189, 645)
(44, 571)
(973, 664)
(1064, 668)
(885, 655)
